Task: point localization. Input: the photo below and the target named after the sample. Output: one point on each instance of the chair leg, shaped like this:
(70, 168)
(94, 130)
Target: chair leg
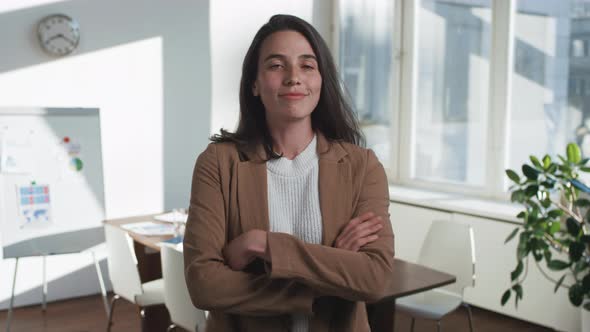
(438, 326)
(142, 315)
(110, 322)
(412, 325)
(171, 327)
(469, 316)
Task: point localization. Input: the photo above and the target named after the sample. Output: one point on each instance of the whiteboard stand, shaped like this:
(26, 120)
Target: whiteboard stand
(51, 186)
(44, 303)
(9, 320)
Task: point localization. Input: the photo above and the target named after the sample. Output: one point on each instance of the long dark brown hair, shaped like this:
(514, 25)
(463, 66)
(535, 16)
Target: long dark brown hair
(333, 116)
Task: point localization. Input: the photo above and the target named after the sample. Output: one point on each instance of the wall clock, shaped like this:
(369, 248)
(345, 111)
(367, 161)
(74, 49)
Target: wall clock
(58, 34)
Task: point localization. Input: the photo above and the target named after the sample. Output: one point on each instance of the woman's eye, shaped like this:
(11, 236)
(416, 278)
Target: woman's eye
(308, 67)
(275, 66)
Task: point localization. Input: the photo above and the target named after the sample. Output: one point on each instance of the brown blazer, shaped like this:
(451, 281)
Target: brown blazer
(229, 197)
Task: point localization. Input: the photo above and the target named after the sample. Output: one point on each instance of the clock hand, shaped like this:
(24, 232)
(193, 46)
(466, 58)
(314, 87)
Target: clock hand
(53, 38)
(66, 39)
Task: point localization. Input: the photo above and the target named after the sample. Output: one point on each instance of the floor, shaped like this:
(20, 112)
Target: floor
(87, 314)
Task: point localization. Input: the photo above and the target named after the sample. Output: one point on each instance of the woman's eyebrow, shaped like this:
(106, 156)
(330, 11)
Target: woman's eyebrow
(283, 57)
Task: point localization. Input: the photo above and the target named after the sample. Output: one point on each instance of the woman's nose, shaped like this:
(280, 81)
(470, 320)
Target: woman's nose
(292, 77)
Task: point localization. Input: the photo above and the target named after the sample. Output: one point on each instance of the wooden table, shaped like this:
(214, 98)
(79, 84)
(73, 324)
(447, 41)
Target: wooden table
(408, 278)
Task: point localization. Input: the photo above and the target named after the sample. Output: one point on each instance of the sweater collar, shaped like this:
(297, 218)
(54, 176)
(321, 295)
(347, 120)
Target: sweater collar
(326, 150)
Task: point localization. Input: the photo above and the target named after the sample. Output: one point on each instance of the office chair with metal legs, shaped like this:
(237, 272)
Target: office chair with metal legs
(124, 274)
(448, 247)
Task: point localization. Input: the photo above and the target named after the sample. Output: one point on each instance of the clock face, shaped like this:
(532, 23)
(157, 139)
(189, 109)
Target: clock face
(58, 34)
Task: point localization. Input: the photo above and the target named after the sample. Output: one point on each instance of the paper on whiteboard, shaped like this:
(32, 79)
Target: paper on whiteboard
(34, 205)
(16, 153)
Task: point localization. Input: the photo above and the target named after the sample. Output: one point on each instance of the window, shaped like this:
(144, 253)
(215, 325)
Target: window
(578, 48)
(452, 91)
(468, 94)
(546, 111)
(365, 60)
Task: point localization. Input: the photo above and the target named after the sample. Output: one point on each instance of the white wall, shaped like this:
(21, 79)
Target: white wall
(151, 69)
(146, 65)
(233, 26)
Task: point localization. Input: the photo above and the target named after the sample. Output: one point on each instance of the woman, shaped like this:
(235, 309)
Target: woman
(288, 223)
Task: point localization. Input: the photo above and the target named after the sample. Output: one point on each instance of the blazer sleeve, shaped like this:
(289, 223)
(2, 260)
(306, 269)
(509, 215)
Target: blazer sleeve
(211, 283)
(355, 276)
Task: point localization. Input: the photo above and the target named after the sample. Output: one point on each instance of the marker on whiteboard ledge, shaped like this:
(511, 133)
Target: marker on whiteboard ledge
(33, 183)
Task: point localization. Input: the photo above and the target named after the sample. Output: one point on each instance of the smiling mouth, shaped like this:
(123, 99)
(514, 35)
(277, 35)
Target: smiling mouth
(293, 96)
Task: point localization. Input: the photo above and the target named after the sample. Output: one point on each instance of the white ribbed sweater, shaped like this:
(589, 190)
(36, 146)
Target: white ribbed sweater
(294, 204)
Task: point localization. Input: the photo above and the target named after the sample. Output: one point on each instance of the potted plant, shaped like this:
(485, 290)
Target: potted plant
(555, 225)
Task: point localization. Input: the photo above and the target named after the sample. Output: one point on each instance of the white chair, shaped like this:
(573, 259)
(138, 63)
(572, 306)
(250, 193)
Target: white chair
(448, 247)
(176, 296)
(124, 274)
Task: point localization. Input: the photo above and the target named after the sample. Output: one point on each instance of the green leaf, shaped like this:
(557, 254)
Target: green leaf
(559, 282)
(587, 306)
(585, 239)
(546, 202)
(547, 254)
(517, 196)
(522, 249)
(576, 295)
(546, 162)
(505, 297)
(521, 215)
(512, 235)
(587, 170)
(584, 161)
(538, 255)
(582, 202)
(531, 190)
(563, 160)
(518, 289)
(516, 273)
(586, 284)
(557, 265)
(573, 227)
(555, 213)
(535, 161)
(513, 176)
(576, 249)
(552, 168)
(530, 172)
(549, 184)
(555, 227)
(573, 153)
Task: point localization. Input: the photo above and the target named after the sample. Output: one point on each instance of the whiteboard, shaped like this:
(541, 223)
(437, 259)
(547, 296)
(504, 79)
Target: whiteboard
(51, 181)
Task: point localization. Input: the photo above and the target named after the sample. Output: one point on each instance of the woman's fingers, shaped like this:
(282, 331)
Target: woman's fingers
(359, 232)
(354, 222)
(364, 241)
(363, 229)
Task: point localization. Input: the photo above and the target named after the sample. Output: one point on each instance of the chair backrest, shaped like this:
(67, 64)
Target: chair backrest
(122, 263)
(176, 296)
(449, 247)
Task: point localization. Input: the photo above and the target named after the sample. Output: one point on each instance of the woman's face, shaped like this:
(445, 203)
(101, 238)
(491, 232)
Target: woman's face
(288, 79)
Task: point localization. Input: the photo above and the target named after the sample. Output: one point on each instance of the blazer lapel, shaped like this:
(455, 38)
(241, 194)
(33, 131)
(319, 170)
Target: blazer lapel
(334, 189)
(252, 196)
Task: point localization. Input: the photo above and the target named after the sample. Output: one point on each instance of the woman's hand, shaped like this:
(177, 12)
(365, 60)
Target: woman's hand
(359, 231)
(245, 248)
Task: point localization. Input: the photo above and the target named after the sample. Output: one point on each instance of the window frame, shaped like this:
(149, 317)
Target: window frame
(405, 74)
